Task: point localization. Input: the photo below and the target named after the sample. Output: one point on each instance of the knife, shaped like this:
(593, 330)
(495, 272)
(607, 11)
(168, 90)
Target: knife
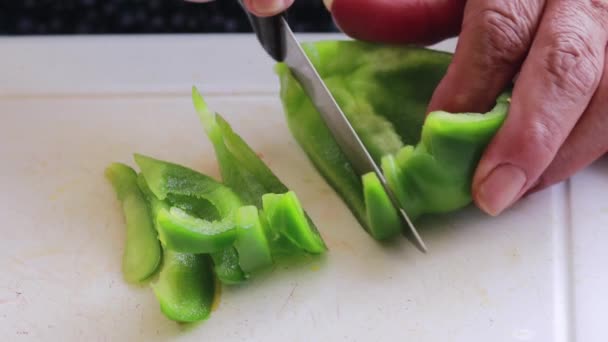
(279, 41)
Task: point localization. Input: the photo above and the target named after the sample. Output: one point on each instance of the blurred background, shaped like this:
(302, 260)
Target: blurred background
(64, 17)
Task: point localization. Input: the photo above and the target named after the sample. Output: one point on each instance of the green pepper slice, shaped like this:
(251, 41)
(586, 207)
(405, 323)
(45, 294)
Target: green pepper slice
(184, 233)
(241, 168)
(178, 230)
(285, 215)
(165, 178)
(142, 253)
(383, 218)
(226, 261)
(227, 268)
(185, 287)
(251, 242)
(243, 171)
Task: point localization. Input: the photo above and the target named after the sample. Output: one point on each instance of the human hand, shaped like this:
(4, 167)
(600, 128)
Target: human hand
(262, 8)
(265, 8)
(558, 118)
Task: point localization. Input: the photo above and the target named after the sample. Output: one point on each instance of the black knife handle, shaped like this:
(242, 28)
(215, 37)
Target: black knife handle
(269, 31)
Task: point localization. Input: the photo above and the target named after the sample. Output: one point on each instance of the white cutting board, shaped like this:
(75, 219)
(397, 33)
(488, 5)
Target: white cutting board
(70, 106)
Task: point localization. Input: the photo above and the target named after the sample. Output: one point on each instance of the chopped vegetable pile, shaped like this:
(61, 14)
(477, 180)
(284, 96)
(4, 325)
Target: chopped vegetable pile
(185, 229)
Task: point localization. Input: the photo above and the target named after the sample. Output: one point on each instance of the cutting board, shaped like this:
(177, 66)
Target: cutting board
(70, 106)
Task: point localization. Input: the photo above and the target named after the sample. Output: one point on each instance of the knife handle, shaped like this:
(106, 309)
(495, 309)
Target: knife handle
(269, 31)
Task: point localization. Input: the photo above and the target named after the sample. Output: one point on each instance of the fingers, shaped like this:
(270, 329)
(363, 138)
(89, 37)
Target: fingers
(556, 83)
(587, 142)
(398, 21)
(262, 8)
(266, 8)
(495, 38)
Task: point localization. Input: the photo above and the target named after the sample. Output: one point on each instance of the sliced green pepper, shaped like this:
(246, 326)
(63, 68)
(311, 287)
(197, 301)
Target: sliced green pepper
(285, 215)
(384, 91)
(384, 221)
(226, 261)
(227, 268)
(245, 172)
(178, 230)
(166, 178)
(251, 242)
(205, 227)
(182, 232)
(241, 168)
(142, 253)
(185, 287)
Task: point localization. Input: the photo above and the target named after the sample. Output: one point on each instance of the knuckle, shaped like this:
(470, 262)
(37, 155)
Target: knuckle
(599, 10)
(572, 64)
(505, 35)
(544, 136)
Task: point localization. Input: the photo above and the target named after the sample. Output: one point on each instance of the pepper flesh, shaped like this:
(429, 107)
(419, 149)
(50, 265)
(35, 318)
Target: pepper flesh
(286, 216)
(436, 175)
(245, 172)
(384, 91)
(383, 218)
(206, 227)
(251, 242)
(240, 166)
(185, 287)
(227, 268)
(178, 230)
(142, 253)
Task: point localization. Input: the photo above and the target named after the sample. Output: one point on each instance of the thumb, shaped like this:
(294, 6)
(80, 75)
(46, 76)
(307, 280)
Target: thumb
(398, 21)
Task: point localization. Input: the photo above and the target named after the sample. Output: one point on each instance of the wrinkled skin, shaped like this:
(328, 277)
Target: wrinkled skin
(557, 124)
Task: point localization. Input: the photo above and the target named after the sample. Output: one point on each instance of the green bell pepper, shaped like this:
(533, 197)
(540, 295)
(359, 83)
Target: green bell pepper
(227, 267)
(240, 166)
(384, 91)
(252, 242)
(287, 218)
(185, 287)
(244, 171)
(179, 215)
(142, 253)
(178, 229)
(383, 219)
(205, 227)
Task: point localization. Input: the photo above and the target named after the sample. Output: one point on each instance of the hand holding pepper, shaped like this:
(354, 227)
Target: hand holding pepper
(558, 120)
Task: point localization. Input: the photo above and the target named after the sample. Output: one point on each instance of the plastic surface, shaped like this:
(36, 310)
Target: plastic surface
(536, 273)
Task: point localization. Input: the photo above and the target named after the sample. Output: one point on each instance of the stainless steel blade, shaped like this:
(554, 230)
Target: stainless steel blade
(338, 123)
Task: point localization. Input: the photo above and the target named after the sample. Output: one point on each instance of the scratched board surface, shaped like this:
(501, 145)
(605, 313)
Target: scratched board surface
(534, 274)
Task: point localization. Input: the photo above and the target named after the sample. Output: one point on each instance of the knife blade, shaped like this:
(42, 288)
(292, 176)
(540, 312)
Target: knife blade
(279, 41)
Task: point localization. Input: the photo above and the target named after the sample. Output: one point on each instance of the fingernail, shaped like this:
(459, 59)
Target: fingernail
(268, 7)
(328, 4)
(500, 188)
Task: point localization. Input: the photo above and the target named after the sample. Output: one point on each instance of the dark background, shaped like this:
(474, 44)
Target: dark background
(39, 17)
